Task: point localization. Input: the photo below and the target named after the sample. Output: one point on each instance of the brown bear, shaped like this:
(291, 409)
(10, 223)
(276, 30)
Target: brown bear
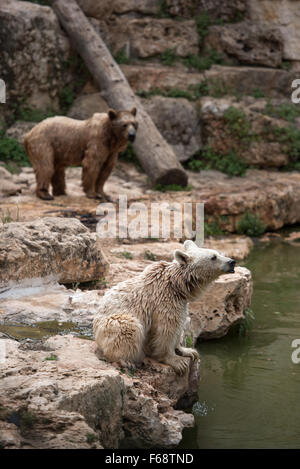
(94, 144)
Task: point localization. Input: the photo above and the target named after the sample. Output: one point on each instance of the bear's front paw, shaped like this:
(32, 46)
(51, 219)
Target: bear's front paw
(188, 352)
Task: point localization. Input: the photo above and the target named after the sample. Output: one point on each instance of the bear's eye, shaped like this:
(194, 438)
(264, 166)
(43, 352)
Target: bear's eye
(214, 257)
(124, 126)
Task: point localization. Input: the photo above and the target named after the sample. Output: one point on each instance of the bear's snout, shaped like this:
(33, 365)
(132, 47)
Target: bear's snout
(231, 264)
(131, 135)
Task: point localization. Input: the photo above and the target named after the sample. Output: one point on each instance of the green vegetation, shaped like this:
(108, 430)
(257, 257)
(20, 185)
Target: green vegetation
(12, 153)
(169, 57)
(163, 9)
(66, 98)
(125, 254)
(289, 137)
(212, 229)
(189, 341)
(286, 111)
(28, 114)
(171, 188)
(237, 123)
(251, 225)
(8, 217)
(150, 256)
(258, 93)
(205, 62)
(52, 357)
(27, 420)
(286, 65)
(121, 57)
(228, 163)
(91, 438)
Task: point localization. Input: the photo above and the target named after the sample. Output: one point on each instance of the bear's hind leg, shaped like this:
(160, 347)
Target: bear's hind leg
(42, 160)
(58, 181)
(119, 337)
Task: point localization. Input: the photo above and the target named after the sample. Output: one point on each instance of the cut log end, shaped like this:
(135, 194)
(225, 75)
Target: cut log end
(173, 176)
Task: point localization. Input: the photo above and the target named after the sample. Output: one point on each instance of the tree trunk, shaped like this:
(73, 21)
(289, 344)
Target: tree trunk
(155, 154)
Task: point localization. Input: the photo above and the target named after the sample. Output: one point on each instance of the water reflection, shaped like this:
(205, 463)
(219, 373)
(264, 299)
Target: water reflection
(249, 392)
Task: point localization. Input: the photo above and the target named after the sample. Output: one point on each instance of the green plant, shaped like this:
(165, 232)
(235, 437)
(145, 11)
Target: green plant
(52, 357)
(250, 225)
(168, 57)
(204, 62)
(285, 65)
(202, 23)
(171, 188)
(12, 151)
(237, 123)
(212, 229)
(8, 217)
(29, 114)
(163, 9)
(286, 111)
(66, 98)
(189, 341)
(150, 256)
(126, 254)
(91, 438)
(27, 420)
(228, 163)
(289, 137)
(121, 56)
(258, 93)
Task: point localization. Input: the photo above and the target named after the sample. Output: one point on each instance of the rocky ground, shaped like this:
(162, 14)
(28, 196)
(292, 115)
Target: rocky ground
(218, 87)
(46, 254)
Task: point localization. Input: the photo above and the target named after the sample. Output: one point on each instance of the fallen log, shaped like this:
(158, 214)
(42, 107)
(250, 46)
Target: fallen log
(154, 153)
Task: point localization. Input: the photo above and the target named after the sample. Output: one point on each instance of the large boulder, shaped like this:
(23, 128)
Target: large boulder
(283, 15)
(34, 49)
(68, 398)
(178, 121)
(223, 305)
(249, 132)
(86, 105)
(148, 37)
(248, 43)
(49, 249)
(219, 79)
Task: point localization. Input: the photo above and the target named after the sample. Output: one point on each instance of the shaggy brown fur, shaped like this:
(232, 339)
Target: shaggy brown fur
(94, 144)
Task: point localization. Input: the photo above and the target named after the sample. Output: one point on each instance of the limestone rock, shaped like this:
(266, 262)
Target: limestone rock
(86, 105)
(76, 400)
(285, 16)
(147, 37)
(262, 150)
(222, 305)
(247, 42)
(226, 79)
(56, 248)
(33, 50)
(178, 122)
(19, 129)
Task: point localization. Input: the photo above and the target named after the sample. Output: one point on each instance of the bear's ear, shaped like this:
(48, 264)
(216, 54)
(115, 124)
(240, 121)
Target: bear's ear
(181, 257)
(112, 114)
(189, 244)
(133, 111)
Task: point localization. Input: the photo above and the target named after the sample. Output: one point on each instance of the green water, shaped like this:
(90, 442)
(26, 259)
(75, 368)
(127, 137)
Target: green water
(249, 393)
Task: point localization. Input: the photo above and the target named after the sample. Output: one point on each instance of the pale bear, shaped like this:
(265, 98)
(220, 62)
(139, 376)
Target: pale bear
(145, 315)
